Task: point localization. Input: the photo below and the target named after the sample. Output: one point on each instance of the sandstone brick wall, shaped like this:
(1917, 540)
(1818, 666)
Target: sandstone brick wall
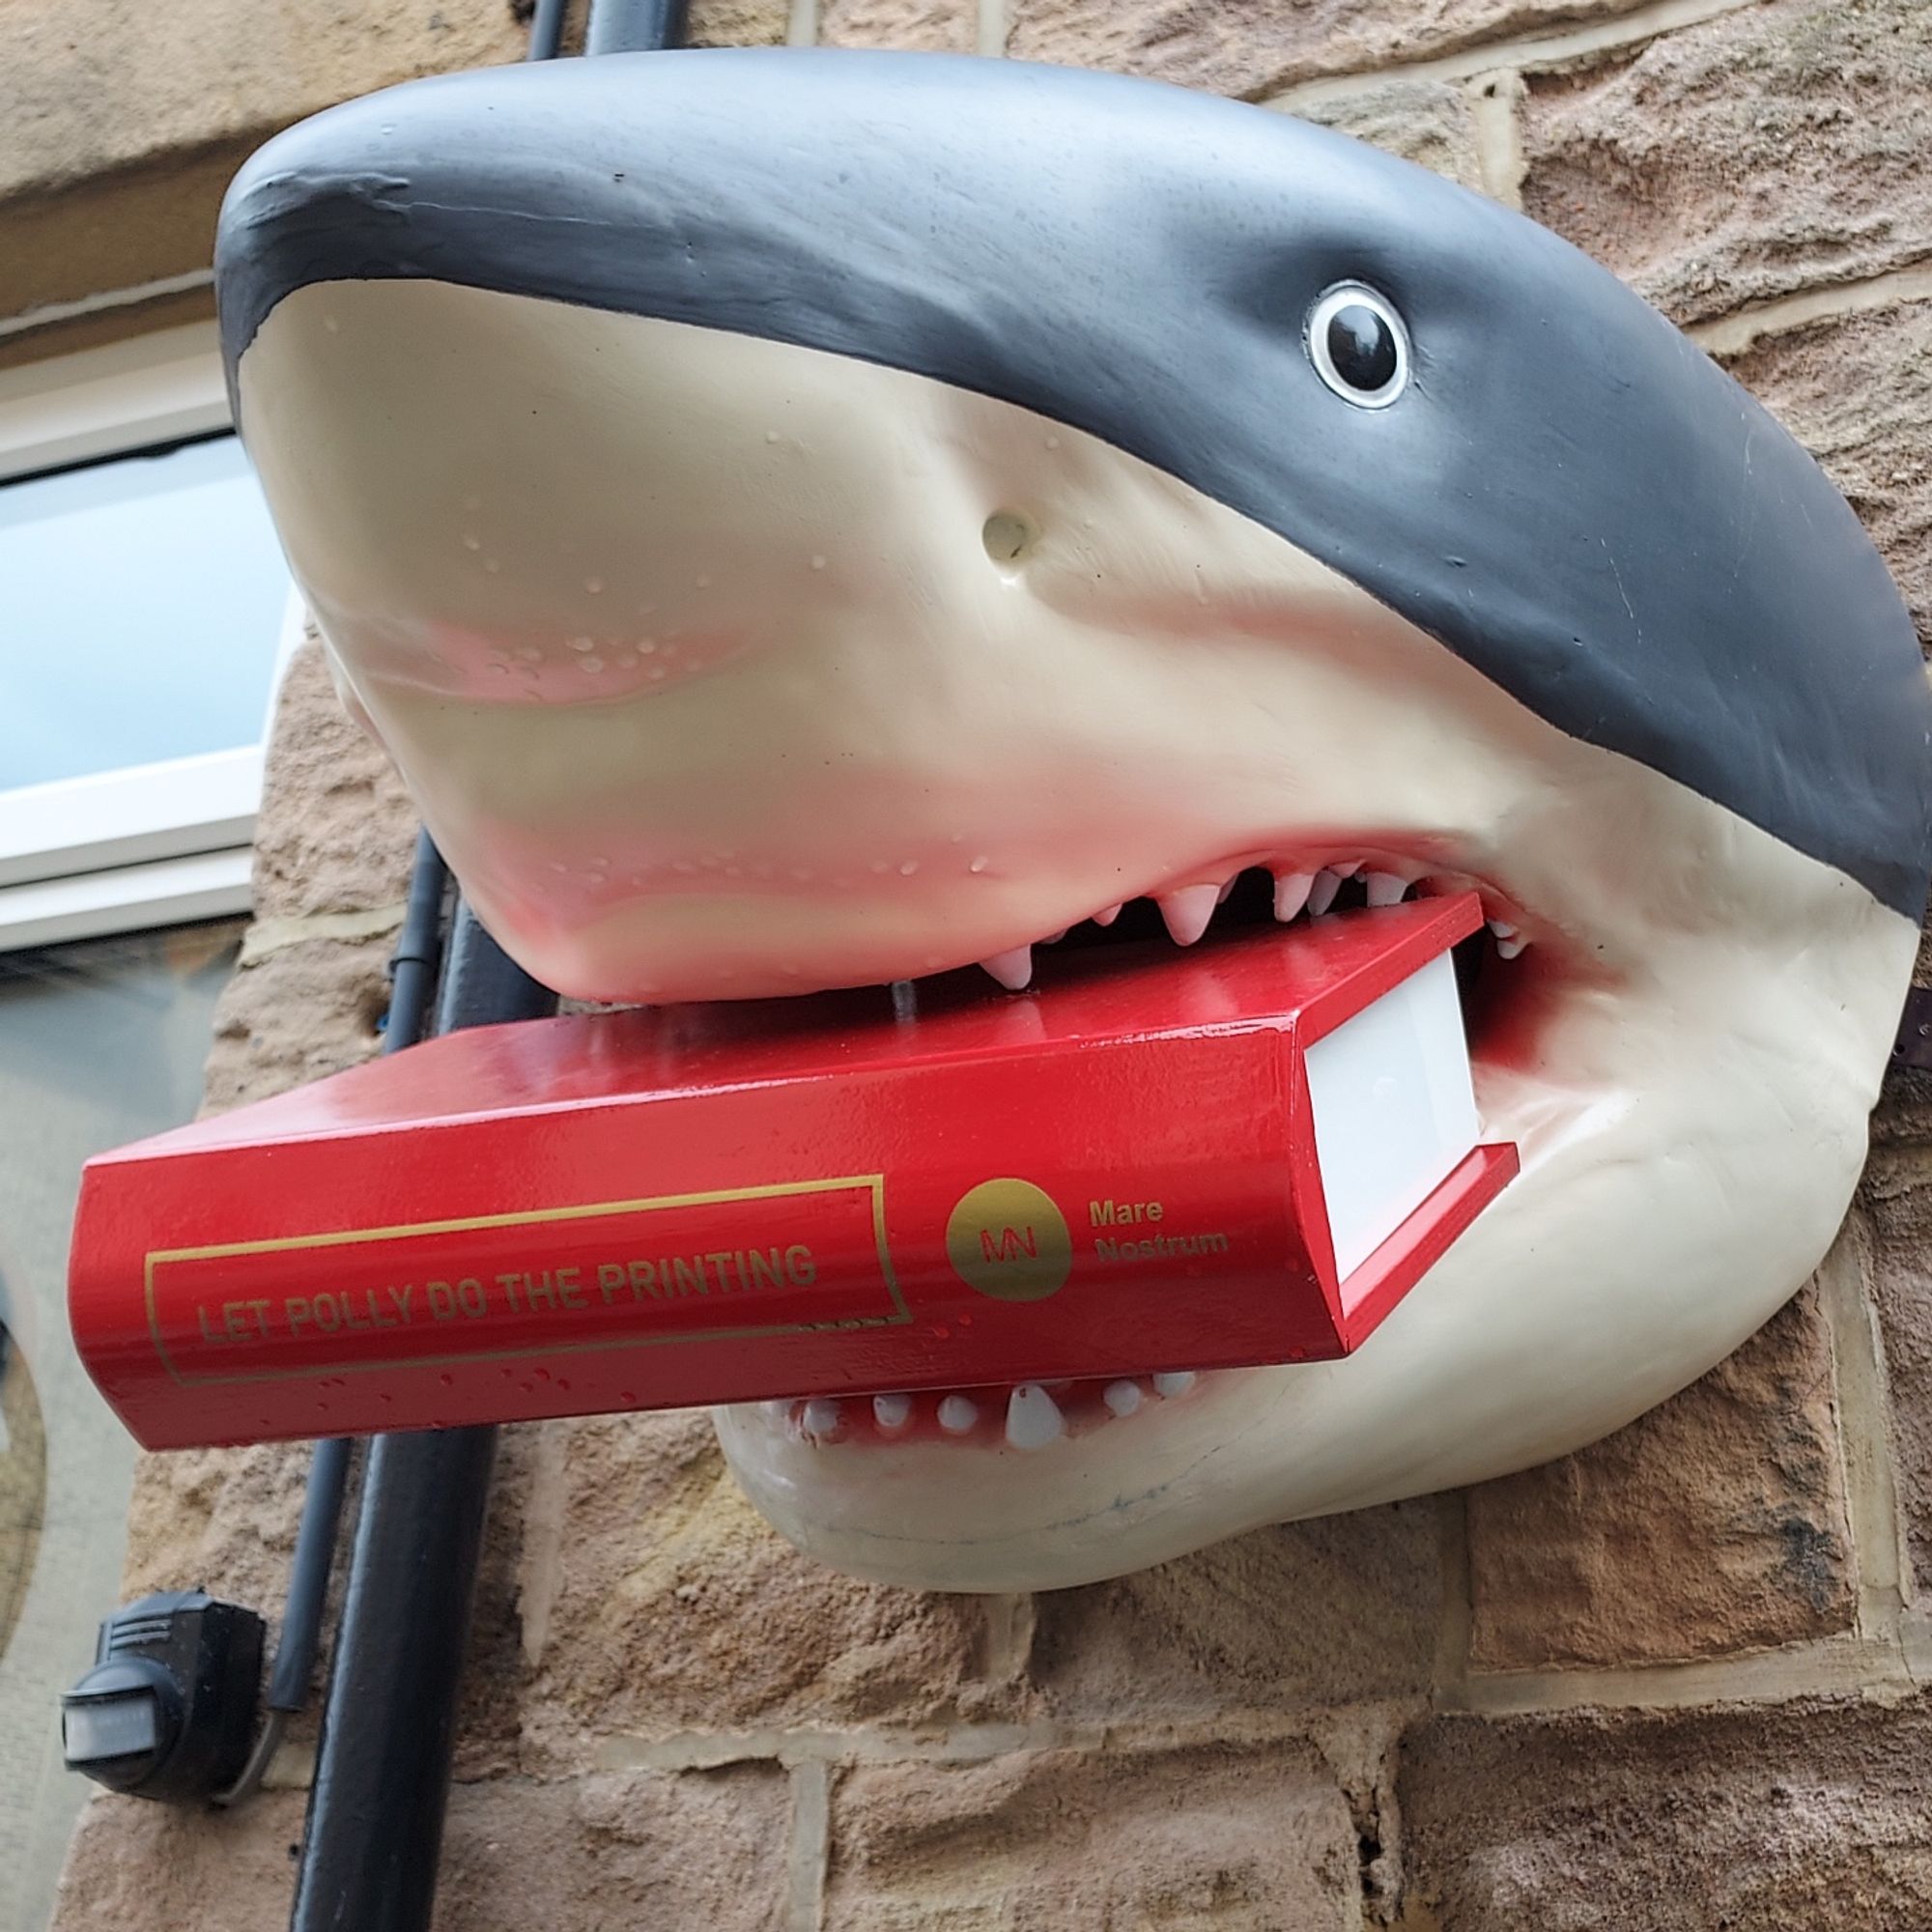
(1674, 1682)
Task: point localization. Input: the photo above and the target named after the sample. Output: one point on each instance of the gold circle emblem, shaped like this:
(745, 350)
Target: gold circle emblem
(1008, 1239)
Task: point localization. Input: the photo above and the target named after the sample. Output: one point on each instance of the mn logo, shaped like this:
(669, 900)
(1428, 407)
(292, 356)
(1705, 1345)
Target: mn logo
(1007, 1238)
(1009, 1244)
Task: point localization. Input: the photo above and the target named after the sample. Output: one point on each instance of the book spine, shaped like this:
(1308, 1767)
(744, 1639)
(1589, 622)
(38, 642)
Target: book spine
(1082, 1212)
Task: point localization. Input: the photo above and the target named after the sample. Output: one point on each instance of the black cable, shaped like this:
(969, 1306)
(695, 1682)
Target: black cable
(412, 972)
(308, 1577)
(418, 949)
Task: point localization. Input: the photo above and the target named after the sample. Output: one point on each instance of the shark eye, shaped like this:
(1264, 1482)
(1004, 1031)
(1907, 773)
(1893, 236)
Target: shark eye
(1358, 345)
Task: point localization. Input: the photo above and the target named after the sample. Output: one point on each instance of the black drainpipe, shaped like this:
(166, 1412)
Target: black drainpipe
(381, 1773)
(633, 26)
(375, 1809)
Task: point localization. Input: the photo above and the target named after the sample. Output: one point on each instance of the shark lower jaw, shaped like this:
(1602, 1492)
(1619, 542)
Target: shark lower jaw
(890, 739)
(1686, 1074)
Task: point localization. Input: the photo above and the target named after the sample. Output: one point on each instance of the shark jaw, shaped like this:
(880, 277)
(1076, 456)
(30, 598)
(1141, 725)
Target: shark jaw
(723, 667)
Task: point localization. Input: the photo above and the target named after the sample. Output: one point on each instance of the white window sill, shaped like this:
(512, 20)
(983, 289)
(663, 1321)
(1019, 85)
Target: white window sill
(150, 390)
(124, 899)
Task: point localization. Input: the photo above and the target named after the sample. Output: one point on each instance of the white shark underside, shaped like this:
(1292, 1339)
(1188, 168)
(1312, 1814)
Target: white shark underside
(692, 649)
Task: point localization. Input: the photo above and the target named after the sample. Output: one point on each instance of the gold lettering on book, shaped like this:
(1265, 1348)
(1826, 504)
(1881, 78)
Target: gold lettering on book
(1123, 1214)
(239, 1322)
(564, 1297)
(717, 1272)
(1159, 1247)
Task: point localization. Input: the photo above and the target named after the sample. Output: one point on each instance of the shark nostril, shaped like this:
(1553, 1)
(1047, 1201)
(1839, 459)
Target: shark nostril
(1008, 536)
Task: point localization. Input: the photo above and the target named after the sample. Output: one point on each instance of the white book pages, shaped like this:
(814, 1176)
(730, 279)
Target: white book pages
(1394, 1109)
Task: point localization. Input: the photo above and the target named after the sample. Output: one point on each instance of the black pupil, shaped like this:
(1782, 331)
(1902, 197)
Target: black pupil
(1362, 345)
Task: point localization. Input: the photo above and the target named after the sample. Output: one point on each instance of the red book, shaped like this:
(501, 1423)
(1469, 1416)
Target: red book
(1148, 1162)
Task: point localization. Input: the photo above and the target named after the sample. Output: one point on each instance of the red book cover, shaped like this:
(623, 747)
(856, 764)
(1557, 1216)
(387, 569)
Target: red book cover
(1115, 1171)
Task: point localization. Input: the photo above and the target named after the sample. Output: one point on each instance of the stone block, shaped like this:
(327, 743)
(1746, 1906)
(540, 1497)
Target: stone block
(136, 1866)
(147, 223)
(1856, 393)
(336, 831)
(920, 26)
(220, 1519)
(90, 86)
(489, 1706)
(295, 1015)
(655, 1601)
(1714, 1523)
(1254, 49)
(615, 1850)
(1897, 1196)
(120, 124)
(737, 23)
(1336, 1612)
(1428, 122)
(1798, 1817)
(1771, 149)
(683, 1849)
(1039, 1842)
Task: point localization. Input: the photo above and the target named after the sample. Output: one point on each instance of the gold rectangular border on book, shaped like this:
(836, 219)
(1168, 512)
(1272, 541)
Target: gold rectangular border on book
(539, 1217)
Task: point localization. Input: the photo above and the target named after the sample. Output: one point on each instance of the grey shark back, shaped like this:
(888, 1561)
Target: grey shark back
(1567, 492)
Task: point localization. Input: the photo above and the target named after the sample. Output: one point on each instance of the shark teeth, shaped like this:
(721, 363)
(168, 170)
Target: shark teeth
(1028, 1417)
(1322, 894)
(1290, 893)
(1188, 911)
(1033, 1417)
(1011, 969)
(957, 1413)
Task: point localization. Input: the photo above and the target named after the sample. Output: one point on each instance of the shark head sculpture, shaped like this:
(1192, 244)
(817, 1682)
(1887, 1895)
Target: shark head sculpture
(802, 520)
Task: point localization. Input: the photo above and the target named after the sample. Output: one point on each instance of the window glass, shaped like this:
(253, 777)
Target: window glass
(141, 613)
(100, 1043)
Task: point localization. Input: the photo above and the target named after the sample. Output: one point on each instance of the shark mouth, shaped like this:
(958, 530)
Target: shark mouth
(1293, 887)
(1030, 1416)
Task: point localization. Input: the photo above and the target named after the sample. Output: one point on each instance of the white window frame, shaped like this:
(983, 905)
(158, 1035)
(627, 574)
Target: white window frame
(144, 845)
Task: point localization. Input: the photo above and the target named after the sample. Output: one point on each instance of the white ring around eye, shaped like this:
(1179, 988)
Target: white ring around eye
(1356, 295)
